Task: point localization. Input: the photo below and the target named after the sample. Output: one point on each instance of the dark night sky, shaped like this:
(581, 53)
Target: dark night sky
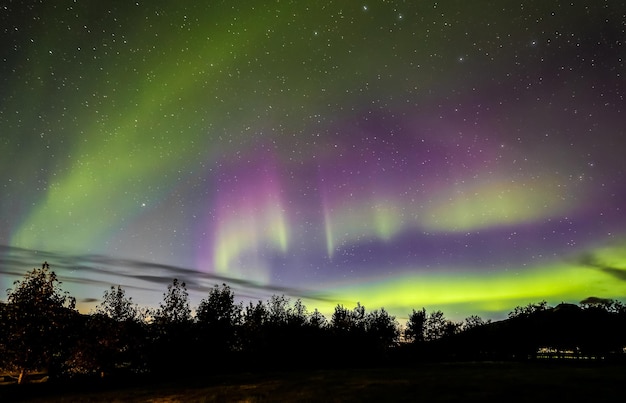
(466, 156)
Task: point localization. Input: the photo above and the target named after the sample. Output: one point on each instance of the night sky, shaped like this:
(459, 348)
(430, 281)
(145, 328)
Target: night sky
(467, 156)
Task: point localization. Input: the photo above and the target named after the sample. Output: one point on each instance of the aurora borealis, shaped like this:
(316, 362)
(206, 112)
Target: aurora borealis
(455, 155)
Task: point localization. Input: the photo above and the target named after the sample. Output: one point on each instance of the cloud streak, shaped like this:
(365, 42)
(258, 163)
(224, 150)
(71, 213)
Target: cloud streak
(15, 262)
(591, 260)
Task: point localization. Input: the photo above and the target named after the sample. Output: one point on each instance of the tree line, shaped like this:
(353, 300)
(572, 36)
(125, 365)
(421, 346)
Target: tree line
(41, 329)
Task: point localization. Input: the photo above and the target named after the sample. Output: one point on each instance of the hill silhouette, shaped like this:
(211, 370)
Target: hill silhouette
(567, 331)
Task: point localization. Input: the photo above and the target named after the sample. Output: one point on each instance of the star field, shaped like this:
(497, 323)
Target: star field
(463, 156)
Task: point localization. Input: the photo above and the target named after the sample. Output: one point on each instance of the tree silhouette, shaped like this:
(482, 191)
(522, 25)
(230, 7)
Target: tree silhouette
(299, 314)
(218, 317)
(341, 319)
(172, 345)
(382, 329)
(5, 354)
(349, 340)
(38, 318)
(451, 328)
(528, 310)
(472, 322)
(285, 329)
(415, 326)
(113, 336)
(117, 306)
(253, 327)
(608, 305)
(345, 321)
(436, 326)
(278, 310)
(174, 309)
(316, 320)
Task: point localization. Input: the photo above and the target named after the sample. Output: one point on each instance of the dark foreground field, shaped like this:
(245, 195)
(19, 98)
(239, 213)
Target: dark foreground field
(536, 381)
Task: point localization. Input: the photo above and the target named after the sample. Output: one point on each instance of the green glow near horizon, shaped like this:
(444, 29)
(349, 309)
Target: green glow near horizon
(460, 294)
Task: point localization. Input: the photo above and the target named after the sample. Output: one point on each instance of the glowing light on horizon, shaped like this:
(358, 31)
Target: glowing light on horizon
(463, 292)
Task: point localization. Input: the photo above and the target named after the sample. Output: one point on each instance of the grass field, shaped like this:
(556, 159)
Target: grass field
(425, 382)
